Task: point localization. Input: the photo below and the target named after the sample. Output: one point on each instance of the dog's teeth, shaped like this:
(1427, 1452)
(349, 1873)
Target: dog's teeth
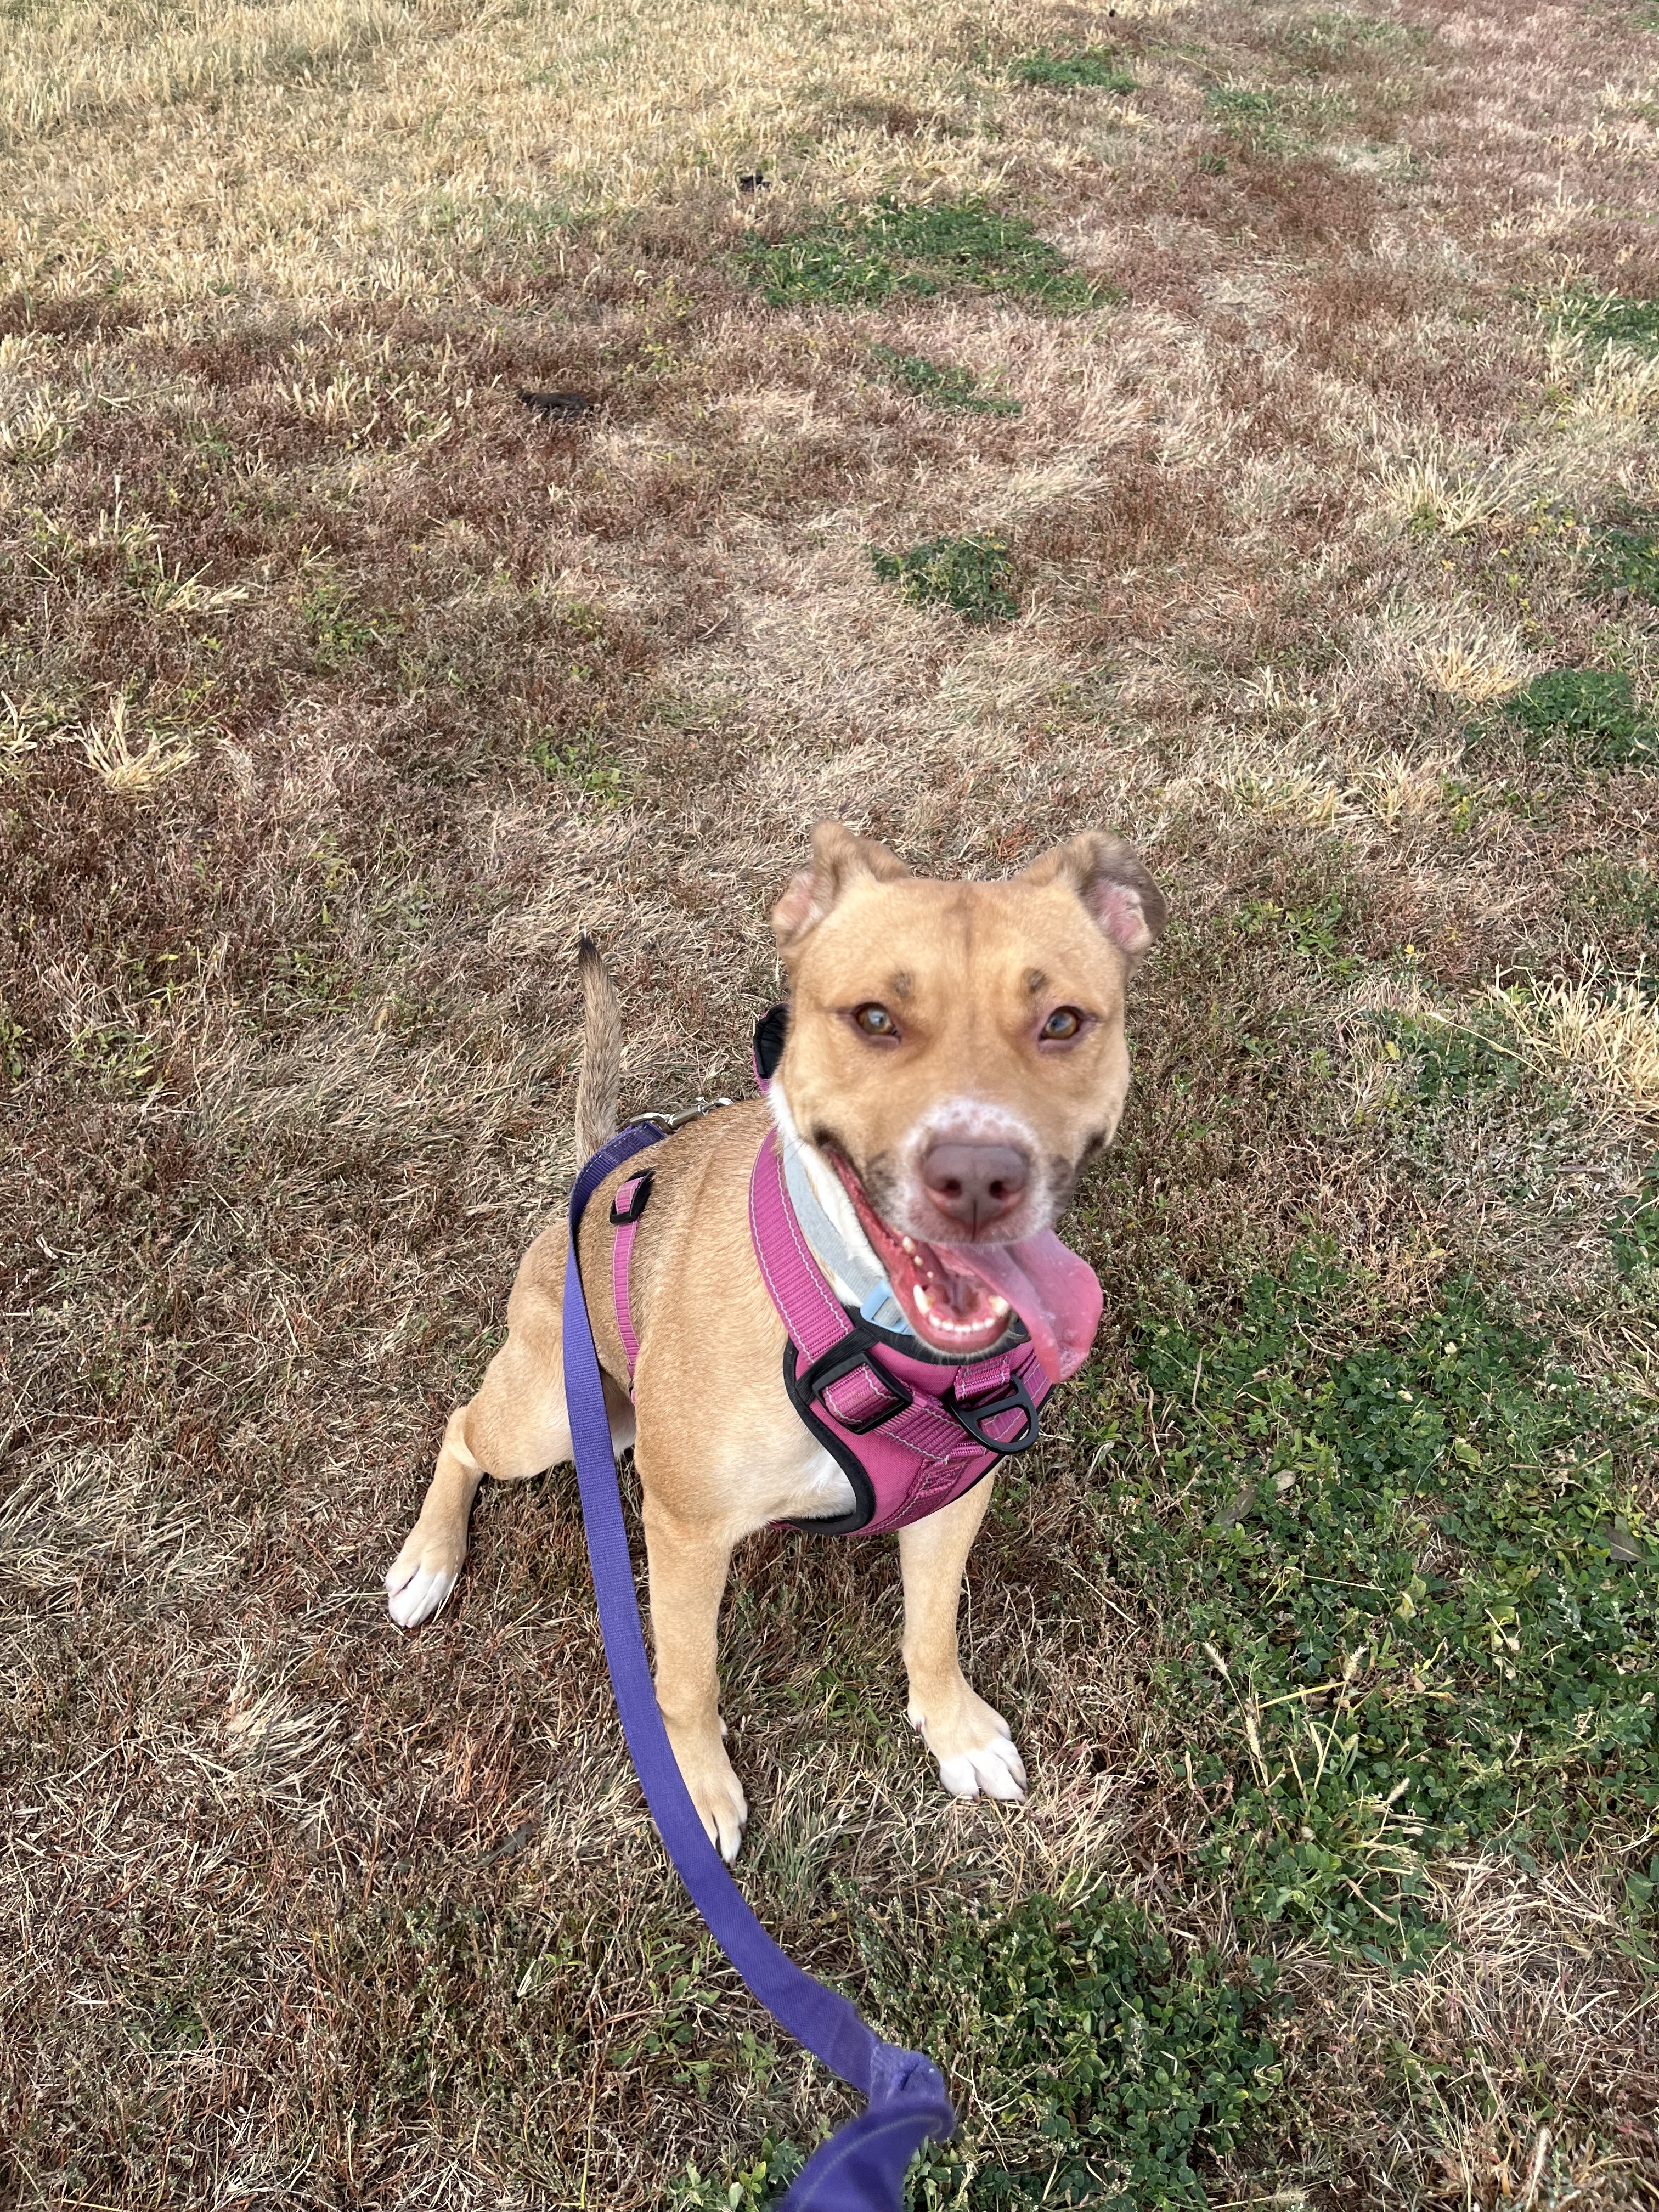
(907, 1244)
(999, 1307)
(924, 1300)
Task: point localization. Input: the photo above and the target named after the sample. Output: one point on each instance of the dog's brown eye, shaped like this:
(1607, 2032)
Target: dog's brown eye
(875, 1021)
(1064, 1022)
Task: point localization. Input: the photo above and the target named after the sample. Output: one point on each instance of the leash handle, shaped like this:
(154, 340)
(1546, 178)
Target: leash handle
(861, 2168)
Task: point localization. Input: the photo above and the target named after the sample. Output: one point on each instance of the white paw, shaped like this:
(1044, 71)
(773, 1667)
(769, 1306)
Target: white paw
(990, 1770)
(415, 1591)
(726, 1823)
(974, 1750)
(716, 1792)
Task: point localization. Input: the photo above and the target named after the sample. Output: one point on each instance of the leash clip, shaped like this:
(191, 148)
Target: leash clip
(667, 1123)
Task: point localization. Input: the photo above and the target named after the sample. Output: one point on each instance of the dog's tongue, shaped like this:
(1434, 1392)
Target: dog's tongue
(1055, 1293)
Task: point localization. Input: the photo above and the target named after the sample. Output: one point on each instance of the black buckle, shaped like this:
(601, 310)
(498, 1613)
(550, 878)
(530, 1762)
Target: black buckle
(636, 1203)
(1016, 1399)
(843, 1358)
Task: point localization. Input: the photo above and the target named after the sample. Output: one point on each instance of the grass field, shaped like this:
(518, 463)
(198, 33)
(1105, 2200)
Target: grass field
(1232, 426)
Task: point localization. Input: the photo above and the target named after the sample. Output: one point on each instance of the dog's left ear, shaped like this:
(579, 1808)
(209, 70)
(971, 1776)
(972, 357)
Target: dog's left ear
(838, 857)
(1111, 879)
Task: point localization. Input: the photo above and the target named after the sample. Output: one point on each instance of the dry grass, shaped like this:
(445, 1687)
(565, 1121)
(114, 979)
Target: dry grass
(339, 692)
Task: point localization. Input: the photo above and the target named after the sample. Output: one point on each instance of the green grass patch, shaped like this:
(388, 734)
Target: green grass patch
(1626, 897)
(580, 760)
(975, 576)
(1093, 69)
(1627, 559)
(1314, 933)
(1335, 34)
(1450, 1061)
(1608, 319)
(1591, 713)
(916, 249)
(1247, 112)
(1109, 2065)
(1634, 1229)
(1419, 1597)
(942, 383)
(339, 627)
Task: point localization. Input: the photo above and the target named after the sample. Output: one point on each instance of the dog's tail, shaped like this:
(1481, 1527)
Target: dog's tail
(600, 1082)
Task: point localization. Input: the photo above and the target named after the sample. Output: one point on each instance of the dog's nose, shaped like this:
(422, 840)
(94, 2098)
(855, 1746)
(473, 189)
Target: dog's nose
(975, 1184)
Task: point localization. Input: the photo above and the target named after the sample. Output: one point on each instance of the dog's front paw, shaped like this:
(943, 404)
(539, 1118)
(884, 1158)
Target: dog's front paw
(973, 1744)
(422, 1577)
(715, 1789)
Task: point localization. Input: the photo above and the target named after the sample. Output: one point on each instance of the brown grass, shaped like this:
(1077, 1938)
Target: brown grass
(340, 693)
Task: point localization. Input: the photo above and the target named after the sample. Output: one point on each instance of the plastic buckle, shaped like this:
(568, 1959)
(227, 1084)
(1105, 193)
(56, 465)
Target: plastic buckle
(842, 1359)
(1014, 1399)
(637, 1198)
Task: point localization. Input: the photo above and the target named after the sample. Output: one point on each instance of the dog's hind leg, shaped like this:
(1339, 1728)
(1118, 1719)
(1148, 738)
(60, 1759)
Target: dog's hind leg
(515, 1427)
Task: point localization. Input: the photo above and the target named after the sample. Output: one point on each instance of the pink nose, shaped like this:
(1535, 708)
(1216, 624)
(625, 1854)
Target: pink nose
(975, 1184)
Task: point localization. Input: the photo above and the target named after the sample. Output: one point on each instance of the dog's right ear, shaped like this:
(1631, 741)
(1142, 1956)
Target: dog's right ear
(838, 857)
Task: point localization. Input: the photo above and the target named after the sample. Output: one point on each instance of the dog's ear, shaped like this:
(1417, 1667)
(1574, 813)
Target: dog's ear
(838, 857)
(1111, 879)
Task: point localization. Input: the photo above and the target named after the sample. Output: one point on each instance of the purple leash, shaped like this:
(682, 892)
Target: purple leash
(862, 2166)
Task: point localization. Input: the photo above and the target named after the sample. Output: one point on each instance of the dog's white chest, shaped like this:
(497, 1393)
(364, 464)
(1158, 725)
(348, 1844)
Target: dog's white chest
(822, 1491)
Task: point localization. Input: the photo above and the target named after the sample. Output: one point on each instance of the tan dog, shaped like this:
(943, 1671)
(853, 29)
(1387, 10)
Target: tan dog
(955, 1055)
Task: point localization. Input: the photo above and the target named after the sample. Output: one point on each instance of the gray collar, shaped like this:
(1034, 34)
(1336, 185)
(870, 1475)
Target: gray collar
(855, 1274)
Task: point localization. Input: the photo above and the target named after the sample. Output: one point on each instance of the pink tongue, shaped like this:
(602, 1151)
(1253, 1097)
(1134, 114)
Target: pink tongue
(1055, 1293)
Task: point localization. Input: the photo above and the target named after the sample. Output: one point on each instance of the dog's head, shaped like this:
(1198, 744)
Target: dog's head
(957, 1049)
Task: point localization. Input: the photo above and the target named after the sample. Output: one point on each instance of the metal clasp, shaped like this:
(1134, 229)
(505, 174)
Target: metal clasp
(669, 1122)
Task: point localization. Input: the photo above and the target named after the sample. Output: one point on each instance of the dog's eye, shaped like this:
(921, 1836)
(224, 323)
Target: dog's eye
(875, 1021)
(1064, 1022)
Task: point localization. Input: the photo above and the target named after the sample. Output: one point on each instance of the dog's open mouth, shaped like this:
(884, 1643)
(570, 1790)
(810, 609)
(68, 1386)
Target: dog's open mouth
(958, 1298)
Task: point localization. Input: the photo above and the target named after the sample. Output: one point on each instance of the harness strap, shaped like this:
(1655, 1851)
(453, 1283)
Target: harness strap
(626, 1207)
(861, 2168)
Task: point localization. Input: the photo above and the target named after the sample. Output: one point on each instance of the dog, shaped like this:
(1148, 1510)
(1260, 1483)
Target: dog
(955, 1057)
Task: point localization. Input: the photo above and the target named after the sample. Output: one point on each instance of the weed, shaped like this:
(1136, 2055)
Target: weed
(974, 575)
(11, 1047)
(40, 432)
(915, 248)
(1634, 1229)
(1093, 68)
(339, 630)
(1109, 2066)
(1331, 36)
(1607, 318)
(1106, 2067)
(1627, 559)
(1589, 714)
(942, 383)
(1628, 897)
(580, 760)
(750, 2189)
(110, 751)
(1450, 1060)
(1313, 933)
(1406, 1625)
(1248, 114)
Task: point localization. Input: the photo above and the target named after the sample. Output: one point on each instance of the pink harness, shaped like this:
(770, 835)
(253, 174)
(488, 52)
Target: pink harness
(910, 1429)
